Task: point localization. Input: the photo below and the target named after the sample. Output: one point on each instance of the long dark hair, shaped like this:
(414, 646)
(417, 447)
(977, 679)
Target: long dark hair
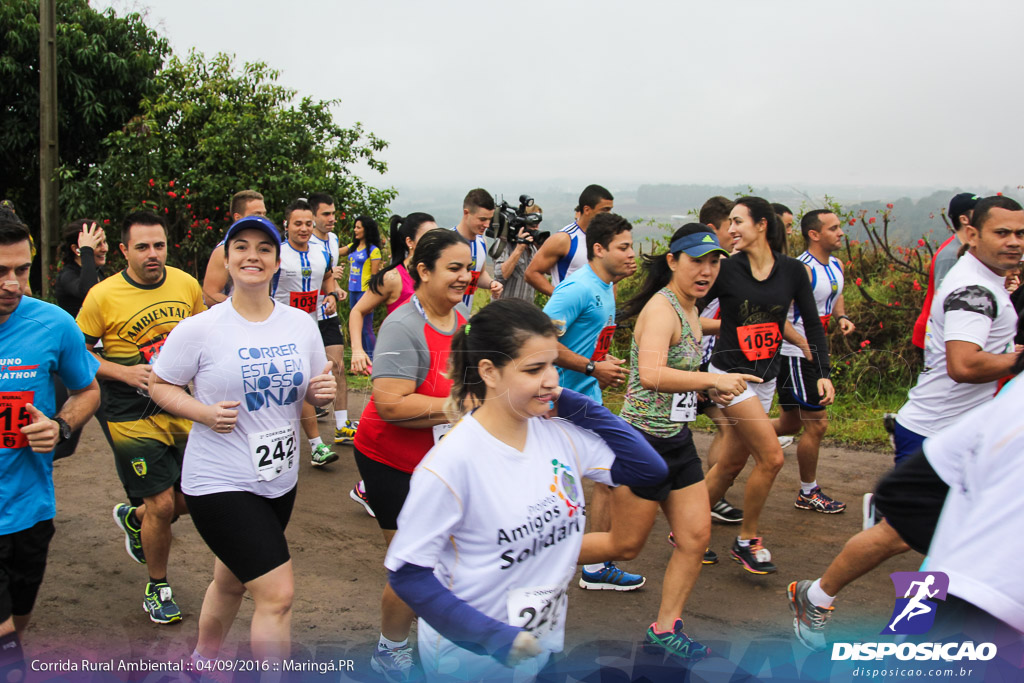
(401, 229)
(496, 333)
(658, 273)
(429, 249)
(371, 233)
(761, 210)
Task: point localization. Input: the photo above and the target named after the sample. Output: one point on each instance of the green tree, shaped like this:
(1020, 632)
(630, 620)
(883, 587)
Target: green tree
(105, 65)
(211, 130)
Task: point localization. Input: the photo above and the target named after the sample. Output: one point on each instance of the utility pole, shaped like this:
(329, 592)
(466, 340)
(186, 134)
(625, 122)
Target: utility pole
(48, 188)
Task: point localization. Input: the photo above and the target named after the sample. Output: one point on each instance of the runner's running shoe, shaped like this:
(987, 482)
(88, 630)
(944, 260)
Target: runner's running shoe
(818, 501)
(710, 556)
(755, 558)
(358, 494)
(869, 515)
(785, 441)
(160, 605)
(396, 666)
(611, 578)
(724, 512)
(889, 424)
(809, 620)
(321, 412)
(347, 434)
(323, 455)
(674, 643)
(132, 537)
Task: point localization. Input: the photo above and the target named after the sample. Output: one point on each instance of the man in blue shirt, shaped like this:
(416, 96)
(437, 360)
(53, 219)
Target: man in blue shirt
(36, 339)
(583, 309)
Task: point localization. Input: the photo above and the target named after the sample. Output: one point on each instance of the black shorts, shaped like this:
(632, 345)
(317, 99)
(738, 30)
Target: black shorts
(148, 453)
(684, 466)
(910, 498)
(22, 564)
(798, 384)
(244, 531)
(386, 489)
(330, 331)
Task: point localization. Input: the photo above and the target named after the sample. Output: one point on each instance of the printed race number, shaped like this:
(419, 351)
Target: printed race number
(684, 407)
(13, 416)
(474, 279)
(151, 350)
(539, 610)
(604, 343)
(272, 452)
(304, 301)
(759, 342)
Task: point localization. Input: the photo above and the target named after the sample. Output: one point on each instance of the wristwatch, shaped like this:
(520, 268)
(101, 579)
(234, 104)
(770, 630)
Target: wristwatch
(590, 368)
(65, 429)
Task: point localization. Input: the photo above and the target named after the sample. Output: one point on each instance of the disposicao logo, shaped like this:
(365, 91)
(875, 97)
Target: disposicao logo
(914, 614)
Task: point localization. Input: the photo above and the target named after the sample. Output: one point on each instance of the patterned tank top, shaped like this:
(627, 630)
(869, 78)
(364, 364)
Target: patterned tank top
(652, 411)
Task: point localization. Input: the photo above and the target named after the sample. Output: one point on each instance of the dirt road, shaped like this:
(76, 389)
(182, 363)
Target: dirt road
(90, 605)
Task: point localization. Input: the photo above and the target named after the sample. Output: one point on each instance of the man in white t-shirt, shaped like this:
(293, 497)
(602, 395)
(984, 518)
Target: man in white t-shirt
(477, 212)
(324, 238)
(968, 349)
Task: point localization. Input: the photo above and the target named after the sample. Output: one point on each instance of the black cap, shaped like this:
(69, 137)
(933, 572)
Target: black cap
(959, 205)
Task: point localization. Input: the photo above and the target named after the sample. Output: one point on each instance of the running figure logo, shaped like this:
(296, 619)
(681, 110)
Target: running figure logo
(914, 612)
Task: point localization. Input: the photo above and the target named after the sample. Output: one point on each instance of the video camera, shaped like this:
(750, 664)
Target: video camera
(507, 223)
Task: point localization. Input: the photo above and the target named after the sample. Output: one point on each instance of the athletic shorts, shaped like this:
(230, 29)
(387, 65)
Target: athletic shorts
(386, 489)
(910, 498)
(684, 466)
(764, 391)
(148, 453)
(797, 384)
(907, 442)
(22, 564)
(330, 331)
(244, 531)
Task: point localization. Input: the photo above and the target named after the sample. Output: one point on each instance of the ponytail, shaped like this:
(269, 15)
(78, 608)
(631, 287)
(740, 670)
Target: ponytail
(400, 230)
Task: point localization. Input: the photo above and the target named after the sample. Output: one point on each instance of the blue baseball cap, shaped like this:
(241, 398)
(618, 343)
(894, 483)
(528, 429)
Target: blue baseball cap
(697, 244)
(254, 223)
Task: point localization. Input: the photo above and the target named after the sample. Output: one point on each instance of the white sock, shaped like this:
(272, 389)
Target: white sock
(818, 596)
(743, 543)
(313, 443)
(198, 658)
(593, 567)
(340, 417)
(807, 488)
(391, 644)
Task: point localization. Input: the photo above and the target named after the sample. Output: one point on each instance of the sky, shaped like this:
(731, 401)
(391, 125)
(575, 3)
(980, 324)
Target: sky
(766, 92)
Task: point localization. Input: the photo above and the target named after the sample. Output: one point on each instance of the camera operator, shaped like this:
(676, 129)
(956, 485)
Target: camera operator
(510, 267)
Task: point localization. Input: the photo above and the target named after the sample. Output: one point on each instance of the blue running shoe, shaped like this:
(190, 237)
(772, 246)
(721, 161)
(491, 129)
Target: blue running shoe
(611, 578)
(159, 604)
(132, 536)
(674, 643)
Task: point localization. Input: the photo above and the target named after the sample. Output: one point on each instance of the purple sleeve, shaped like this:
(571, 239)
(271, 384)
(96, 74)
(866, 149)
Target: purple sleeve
(453, 618)
(636, 462)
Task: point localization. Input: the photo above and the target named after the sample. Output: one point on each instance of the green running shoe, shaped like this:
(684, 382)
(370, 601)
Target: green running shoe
(323, 455)
(159, 604)
(132, 537)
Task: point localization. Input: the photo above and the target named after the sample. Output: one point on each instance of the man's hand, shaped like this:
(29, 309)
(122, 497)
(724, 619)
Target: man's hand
(496, 288)
(846, 326)
(610, 371)
(138, 376)
(222, 416)
(41, 432)
(330, 306)
(338, 272)
(826, 391)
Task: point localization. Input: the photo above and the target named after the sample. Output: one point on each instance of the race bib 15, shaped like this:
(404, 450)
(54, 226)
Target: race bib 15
(13, 416)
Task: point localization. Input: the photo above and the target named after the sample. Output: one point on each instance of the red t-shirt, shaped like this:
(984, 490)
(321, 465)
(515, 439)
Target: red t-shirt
(921, 324)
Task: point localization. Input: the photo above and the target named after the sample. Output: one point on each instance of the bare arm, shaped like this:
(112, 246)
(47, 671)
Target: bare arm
(396, 401)
(968, 364)
(216, 278)
(553, 249)
(509, 265)
(370, 300)
(710, 326)
(133, 375)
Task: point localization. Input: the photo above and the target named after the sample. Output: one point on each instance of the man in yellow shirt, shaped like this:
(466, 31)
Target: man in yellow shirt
(130, 315)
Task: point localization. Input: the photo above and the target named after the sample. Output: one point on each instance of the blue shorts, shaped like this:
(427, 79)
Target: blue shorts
(907, 442)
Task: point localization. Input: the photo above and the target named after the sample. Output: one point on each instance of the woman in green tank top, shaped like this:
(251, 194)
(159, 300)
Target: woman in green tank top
(661, 400)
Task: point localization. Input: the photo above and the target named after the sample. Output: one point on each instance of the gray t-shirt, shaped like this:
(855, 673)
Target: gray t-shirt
(402, 350)
(515, 286)
(945, 260)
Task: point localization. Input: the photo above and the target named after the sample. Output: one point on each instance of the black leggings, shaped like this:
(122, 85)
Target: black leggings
(244, 531)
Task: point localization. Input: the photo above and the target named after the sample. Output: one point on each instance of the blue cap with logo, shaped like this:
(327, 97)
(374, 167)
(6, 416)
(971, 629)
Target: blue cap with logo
(697, 244)
(261, 223)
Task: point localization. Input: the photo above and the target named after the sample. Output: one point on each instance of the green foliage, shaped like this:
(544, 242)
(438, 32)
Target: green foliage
(211, 130)
(105, 65)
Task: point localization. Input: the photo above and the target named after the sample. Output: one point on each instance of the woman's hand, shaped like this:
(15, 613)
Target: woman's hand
(222, 416)
(525, 646)
(323, 388)
(91, 236)
(360, 364)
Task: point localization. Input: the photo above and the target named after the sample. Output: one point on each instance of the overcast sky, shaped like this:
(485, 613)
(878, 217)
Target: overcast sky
(892, 92)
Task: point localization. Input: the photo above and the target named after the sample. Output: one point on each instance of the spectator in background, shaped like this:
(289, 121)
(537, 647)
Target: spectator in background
(510, 267)
(364, 259)
(84, 254)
